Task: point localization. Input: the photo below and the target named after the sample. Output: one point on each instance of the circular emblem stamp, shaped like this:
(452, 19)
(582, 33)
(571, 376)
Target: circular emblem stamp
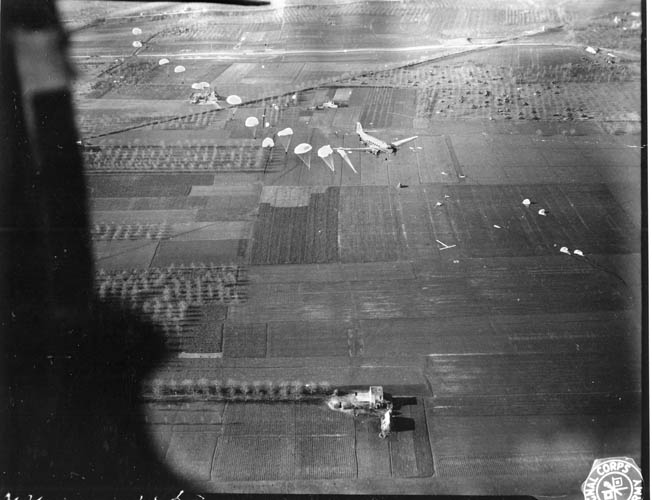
(616, 478)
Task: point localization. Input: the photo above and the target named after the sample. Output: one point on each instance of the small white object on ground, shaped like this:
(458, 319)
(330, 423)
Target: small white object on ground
(578, 252)
(497, 226)
(564, 250)
(444, 245)
(526, 202)
(543, 212)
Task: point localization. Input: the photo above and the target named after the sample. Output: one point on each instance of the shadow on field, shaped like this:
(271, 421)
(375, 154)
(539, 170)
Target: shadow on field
(70, 368)
(400, 402)
(402, 424)
(76, 419)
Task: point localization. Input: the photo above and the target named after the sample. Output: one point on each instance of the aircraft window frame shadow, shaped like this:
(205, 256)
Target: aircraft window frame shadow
(72, 366)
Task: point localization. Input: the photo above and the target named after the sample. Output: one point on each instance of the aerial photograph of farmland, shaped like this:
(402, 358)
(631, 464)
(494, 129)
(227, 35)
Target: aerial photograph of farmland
(386, 246)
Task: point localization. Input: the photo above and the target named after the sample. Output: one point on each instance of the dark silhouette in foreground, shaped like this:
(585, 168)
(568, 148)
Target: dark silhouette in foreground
(70, 367)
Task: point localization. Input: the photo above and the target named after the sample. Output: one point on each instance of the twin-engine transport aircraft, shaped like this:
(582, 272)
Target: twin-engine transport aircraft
(376, 146)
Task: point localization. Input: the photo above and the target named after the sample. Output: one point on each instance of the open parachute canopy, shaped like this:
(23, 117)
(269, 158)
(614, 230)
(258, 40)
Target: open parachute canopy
(233, 100)
(252, 121)
(303, 148)
(325, 151)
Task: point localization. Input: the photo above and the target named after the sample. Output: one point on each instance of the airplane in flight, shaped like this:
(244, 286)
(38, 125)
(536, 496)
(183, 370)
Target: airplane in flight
(372, 144)
(376, 146)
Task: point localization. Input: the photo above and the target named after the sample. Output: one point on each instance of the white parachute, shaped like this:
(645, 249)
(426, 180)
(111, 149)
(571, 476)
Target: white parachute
(303, 152)
(252, 122)
(137, 44)
(137, 31)
(286, 134)
(179, 69)
(326, 154)
(233, 100)
(163, 61)
(268, 142)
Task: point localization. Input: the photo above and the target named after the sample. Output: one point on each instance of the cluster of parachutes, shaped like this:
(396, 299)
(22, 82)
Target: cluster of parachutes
(304, 150)
(137, 44)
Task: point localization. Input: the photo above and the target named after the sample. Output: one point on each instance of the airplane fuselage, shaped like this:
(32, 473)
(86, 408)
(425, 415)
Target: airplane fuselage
(377, 146)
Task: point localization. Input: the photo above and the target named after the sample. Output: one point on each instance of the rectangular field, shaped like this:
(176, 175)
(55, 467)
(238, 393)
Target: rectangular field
(369, 225)
(197, 251)
(245, 340)
(325, 457)
(372, 453)
(300, 235)
(142, 185)
(190, 453)
(120, 255)
(254, 458)
(308, 339)
(530, 384)
(474, 447)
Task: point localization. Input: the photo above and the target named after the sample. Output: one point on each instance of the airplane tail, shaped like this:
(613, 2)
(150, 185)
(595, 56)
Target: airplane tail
(358, 128)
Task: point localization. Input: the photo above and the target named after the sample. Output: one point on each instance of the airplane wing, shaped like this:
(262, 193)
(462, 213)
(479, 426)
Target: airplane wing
(353, 149)
(403, 141)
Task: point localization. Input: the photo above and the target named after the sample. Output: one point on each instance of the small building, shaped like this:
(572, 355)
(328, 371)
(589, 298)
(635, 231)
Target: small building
(342, 96)
(373, 397)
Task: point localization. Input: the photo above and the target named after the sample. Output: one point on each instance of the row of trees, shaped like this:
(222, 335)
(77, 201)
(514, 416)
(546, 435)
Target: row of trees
(115, 231)
(176, 157)
(234, 390)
